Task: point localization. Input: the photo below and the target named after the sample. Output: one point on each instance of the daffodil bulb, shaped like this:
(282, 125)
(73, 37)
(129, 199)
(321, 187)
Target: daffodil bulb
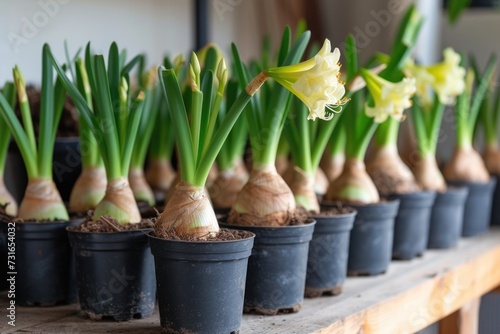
(390, 99)
(316, 82)
(447, 78)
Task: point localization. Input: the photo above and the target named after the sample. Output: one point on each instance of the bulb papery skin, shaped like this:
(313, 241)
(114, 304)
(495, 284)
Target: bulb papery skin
(302, 186)
(353, 186)
(491, 157)
(160, 174)
(265, 200)
(188, 213)
(466, 165)
(88, 190)
(227, 185)
(428, 175)
(320, 182)
(42, 201)
(6, 197)
(140, 187)
(119, 203)
(282, 163)
(389, 173)
(332, 166)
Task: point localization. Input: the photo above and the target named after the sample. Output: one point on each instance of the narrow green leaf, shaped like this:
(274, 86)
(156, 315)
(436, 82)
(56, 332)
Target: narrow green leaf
(180, 123)
(46, 124)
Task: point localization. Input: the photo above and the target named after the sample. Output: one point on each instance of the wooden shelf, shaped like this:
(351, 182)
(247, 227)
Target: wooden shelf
(409, 297)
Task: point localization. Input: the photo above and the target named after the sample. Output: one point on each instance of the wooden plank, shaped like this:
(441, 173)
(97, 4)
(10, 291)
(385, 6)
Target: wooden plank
(412, 295)
(463, 321)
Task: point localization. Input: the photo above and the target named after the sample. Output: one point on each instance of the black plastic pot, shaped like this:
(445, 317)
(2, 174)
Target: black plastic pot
(44, 264)
(477, 209)
(370, 245)
(115, 274)
(447, 218)
(411, 227)
(495, 205)
(328, 253)
(201, 284)
(277, 268)
(66, 166)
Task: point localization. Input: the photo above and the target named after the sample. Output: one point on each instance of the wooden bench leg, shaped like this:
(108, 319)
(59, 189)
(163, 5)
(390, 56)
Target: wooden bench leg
(462, 321)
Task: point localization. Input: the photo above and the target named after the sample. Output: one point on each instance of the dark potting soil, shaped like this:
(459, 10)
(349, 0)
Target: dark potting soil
(107, 224)
(223, 235)
(334, 211)
(68, 125)
(299, 217)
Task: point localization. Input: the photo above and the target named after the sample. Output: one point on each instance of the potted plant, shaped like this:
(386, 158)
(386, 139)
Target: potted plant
(466, 168)
(392, 177)
(438, 85)
(110, 243)
(90, 187)
(187, 241)
(328, 249)
(43, 256)
(488, 120)
(371, 239)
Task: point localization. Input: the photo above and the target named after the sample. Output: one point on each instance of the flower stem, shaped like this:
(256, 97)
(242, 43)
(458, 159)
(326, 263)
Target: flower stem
(387, 133)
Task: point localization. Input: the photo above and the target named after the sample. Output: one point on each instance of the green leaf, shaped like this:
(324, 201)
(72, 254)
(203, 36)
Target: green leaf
(106, 119)
(46, 124)
(455, 9)
(180, 123)
(285, 46)
(10, 118)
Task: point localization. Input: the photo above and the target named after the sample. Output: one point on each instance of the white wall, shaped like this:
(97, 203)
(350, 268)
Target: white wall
(152, 26)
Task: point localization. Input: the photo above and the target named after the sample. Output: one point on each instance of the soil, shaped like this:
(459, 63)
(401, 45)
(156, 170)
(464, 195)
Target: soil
(223, 235)
(68, 125)
(339, 209)
(318, 292)
(107, 224)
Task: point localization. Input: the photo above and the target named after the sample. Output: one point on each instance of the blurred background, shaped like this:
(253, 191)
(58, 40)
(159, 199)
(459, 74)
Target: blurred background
(159, 27)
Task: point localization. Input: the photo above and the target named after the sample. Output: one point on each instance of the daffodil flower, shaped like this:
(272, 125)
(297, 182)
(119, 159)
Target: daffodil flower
(316, 82)
(390, 99)
(446, 77)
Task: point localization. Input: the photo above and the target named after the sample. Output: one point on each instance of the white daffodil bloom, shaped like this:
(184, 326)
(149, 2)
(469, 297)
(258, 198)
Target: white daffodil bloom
(390, 99)
(316, 82)
(447, 78)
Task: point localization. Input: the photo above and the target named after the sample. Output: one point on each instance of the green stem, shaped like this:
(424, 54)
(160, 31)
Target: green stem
(338, 140)
(436, 117)
(464, 137)
(357, 149)
(387, 133)
(324, 134)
